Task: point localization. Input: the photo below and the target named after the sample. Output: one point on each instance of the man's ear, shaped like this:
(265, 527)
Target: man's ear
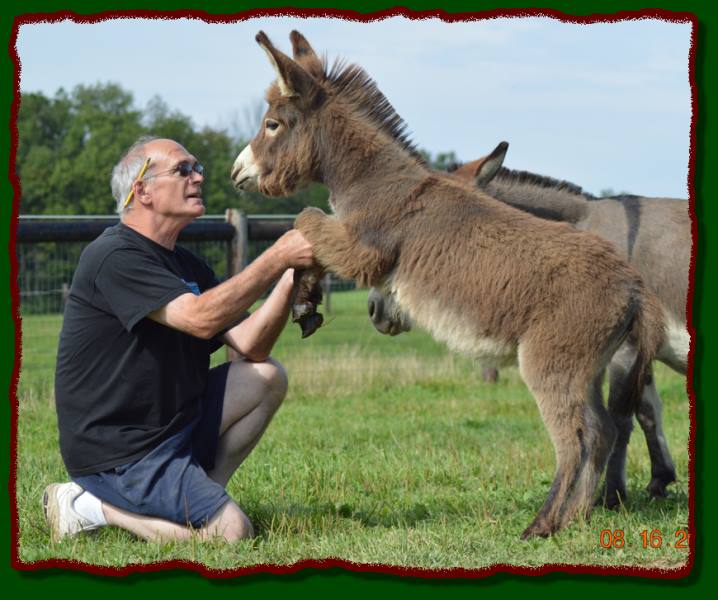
(141, 193)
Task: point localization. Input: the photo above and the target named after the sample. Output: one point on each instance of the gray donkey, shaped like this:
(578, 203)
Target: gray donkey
(654, 234)
(486, 278)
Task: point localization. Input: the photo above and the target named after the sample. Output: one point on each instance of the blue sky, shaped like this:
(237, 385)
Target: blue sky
(604, 105)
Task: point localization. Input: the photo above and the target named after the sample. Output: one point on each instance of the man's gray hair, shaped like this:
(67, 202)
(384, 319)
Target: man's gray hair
(126, 171)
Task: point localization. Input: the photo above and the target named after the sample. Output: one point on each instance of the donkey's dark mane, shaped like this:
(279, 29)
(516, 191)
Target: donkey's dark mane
(352, 83)
(526, 177)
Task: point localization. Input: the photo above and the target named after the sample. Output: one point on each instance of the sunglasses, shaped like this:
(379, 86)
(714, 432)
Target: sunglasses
(184, 169)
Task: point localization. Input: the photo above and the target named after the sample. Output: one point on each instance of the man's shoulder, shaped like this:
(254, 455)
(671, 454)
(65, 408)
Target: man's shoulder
(113, 238)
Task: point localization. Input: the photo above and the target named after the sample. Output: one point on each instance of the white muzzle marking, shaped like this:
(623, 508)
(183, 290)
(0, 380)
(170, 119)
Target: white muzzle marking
(245, 172)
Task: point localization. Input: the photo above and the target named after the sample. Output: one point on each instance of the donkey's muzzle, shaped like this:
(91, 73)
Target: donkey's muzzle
(245, 172)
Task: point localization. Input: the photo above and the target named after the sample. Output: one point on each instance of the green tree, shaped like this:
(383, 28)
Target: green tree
(69, 144)
(42, 125)
(442, 161)
(611, 193)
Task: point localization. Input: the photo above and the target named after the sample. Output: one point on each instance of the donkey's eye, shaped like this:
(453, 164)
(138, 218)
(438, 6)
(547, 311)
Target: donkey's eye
(271, 124)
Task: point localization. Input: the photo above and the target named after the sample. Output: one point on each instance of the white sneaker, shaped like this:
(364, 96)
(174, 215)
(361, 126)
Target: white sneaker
(61, 517)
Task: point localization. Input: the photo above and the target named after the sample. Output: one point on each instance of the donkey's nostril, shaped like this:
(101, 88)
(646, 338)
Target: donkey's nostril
(372, 308)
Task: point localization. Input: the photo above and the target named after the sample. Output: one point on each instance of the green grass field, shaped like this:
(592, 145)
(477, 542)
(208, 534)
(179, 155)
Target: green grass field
(386, 451)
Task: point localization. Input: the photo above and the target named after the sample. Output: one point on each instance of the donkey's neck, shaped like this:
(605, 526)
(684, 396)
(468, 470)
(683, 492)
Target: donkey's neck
(554, 202)
(367, 167)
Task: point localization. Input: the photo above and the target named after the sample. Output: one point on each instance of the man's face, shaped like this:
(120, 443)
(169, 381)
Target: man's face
(175, 188)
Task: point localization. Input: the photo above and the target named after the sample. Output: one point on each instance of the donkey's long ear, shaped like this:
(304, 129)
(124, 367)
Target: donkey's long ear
(490, 165)
(293, 80)
(304, 55)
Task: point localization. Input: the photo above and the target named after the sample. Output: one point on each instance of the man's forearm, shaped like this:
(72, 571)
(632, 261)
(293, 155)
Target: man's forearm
(206, 315)
(228, 302)
(255, 337)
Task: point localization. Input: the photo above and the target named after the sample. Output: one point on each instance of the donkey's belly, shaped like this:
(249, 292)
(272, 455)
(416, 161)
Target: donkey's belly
(460, 331)
(674, 351)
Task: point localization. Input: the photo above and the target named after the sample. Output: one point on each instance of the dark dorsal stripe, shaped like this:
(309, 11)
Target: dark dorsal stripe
(352, 83)
(632, 207)
(630, 203)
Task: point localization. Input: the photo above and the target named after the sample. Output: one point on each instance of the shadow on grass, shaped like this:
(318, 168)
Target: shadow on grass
(639, 508)
(378, 515)
(640, 504)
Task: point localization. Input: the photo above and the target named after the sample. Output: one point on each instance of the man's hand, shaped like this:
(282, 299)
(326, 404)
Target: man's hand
(294, 250)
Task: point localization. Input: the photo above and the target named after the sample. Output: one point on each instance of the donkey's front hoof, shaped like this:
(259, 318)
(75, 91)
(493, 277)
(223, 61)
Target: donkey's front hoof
(302, 311)
(310, 323)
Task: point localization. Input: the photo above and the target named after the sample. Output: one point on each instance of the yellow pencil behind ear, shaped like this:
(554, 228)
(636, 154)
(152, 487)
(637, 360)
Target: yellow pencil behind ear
(143, 170)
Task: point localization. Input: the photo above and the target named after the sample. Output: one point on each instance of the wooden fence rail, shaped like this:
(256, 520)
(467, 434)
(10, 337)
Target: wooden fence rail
(234, 228)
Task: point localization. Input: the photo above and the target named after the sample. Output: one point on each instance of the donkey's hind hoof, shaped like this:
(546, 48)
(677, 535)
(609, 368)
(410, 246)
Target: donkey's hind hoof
(657, 487)
(612, 498)
(539, 528)
(310, 323)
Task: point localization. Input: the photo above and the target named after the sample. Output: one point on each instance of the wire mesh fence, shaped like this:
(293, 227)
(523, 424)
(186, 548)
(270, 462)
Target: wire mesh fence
(45, 268)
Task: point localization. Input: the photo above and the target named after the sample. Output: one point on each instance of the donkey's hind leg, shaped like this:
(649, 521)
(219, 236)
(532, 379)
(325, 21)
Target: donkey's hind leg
(563, 402)
(614, 491)
(663, 470)
(650, 417)
(599, 437)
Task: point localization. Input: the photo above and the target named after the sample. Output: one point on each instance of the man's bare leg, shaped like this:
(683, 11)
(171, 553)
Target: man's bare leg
(229, 522)
(253, 394)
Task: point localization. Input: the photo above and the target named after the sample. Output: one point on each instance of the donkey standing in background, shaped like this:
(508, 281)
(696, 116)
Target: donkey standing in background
(488, 279)
(654, 234)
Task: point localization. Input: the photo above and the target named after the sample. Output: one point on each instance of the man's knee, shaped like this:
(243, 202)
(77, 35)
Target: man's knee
(231, 523)
(275, 382)
(239, 528)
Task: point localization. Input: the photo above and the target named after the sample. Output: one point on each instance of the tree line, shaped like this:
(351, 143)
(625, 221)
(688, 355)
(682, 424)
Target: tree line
(69, 143)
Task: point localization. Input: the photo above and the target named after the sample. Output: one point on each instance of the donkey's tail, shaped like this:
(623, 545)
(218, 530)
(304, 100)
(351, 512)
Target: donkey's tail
(646, 335)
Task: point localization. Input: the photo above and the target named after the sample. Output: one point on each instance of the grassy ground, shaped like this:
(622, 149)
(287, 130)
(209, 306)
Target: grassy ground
(388, 451)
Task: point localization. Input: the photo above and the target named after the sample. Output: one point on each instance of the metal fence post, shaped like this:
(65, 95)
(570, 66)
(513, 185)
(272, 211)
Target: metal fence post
(237, 251)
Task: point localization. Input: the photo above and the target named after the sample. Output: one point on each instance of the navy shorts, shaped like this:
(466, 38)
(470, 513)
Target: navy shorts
(171, 482)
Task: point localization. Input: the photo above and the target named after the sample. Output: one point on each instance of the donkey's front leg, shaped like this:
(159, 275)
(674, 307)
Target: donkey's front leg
(306, 296)
(342, 248)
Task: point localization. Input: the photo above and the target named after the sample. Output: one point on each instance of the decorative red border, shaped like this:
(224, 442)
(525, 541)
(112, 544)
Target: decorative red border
(664, 15)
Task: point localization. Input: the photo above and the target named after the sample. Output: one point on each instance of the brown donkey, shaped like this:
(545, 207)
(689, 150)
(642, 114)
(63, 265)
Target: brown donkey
(654, 235)
(487, 279)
